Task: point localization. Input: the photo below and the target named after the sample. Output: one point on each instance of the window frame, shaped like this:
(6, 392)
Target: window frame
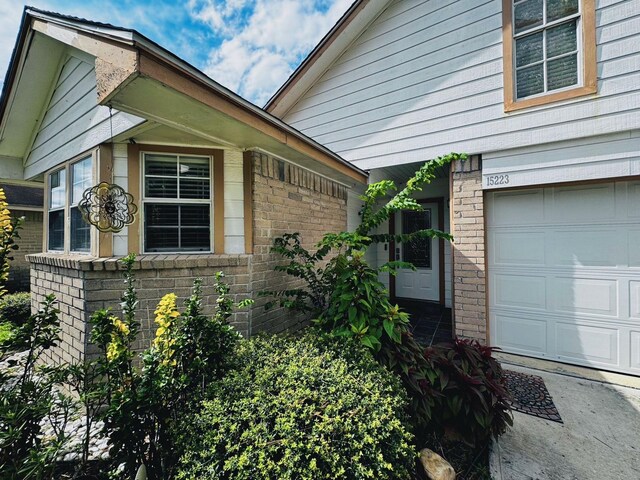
(68, 168)
(144, 200)
(587, 67)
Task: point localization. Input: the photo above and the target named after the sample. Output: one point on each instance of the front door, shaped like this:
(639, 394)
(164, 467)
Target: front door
(423, 253)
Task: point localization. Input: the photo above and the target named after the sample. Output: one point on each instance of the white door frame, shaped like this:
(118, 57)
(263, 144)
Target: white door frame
(440, 257)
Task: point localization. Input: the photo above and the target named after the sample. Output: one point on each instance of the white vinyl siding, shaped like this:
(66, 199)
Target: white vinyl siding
(426, 78)
(233, 202)
(73, 121)
(607, 156)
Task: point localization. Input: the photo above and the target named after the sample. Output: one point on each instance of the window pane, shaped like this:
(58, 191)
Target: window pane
(161, 239)
(529, 49)
(80, 179)
(194, 167)
(161, 187)
(56, 230)
(194, 188)
(161, 215)
(161, 165)
(417, 251)
(529, 81)
(527, 14)
(194, 215)
(195, 239)
(80, 232)
(57, 188)
(561, 39)
(177, 228)
(562, 72)
(556, 9)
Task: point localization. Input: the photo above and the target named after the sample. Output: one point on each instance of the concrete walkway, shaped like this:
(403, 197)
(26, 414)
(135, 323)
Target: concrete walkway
(599, 440)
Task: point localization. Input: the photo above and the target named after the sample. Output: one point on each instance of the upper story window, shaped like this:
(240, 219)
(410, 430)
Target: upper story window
(66, 230)
(549, 48)
(177, 203)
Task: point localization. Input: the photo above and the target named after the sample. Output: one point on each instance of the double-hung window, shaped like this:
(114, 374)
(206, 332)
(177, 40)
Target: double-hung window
(177, 203)
(549, 51)
(66, 230)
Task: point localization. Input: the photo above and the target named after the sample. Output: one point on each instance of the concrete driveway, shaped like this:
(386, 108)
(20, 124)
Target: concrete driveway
(599, 440)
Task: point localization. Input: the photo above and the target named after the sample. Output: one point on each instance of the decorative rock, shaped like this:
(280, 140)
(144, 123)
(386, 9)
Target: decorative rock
(436, 467)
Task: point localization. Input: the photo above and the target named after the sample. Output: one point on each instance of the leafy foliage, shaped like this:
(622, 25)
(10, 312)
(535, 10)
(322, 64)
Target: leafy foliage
(190, 350)
(300, 408)
(8, 235)
(15, 307)
(455, 388)
(28, 398)
(344, 292)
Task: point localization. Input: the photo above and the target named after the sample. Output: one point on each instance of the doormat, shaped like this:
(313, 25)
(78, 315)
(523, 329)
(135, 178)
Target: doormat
(530, 395)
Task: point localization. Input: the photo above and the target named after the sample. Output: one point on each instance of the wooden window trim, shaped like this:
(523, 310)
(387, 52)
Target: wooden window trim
(136, 187)
(588, 52)
(66, 166)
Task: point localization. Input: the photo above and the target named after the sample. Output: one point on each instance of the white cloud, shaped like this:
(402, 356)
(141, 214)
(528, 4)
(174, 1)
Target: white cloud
(263, 44)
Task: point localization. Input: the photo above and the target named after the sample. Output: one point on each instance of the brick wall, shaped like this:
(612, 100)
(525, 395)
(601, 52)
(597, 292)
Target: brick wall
(84, 286)
(287, 199)
(30, 242)
(467, 207)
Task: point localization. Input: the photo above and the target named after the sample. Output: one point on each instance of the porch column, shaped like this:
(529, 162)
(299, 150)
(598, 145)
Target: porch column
(469, 281)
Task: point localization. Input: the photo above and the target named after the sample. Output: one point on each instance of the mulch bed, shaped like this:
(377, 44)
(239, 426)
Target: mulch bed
(530, 396)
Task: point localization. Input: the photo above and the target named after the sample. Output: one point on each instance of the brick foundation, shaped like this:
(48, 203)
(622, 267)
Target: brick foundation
(467, 206)
(84, 286)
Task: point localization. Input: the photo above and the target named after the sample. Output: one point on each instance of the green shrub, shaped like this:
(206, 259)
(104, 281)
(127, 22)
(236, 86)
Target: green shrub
(15, 308)
(300, 408)
(455, 388)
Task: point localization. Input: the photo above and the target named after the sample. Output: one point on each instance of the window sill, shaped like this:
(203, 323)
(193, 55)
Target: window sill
(511, 106)
(143, 262)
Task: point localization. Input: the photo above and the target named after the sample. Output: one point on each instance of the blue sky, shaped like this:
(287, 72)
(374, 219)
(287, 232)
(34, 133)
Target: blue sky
(250, 46)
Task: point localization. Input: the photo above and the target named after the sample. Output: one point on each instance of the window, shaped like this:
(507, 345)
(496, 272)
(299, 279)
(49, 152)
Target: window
(78, 233)
(549, 48)
(418, 250)
(57, 203)
(177, 203)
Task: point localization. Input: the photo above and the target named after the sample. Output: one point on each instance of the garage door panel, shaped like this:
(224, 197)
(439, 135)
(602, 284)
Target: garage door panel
(633, 203)
(521, 335)
(508, 207)
(520, 291)
(586, 248)
(567, 287)
(634, 347)
(634, 299)
(519, 248)
(586, 204)
(585, 295)
(581, 343)
(634, 247)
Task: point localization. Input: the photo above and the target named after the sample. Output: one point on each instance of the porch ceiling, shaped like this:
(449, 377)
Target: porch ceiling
(401, 173)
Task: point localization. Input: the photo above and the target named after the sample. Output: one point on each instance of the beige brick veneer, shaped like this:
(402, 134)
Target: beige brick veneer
(84, 286)
(30, 242)
(288, 199)
(469, 282)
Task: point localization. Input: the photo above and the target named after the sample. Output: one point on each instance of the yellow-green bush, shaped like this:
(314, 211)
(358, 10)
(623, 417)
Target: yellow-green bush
(300, 408)
(15, 308)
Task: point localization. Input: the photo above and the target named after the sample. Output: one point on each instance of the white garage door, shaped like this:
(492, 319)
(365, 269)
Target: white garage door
(564, 273)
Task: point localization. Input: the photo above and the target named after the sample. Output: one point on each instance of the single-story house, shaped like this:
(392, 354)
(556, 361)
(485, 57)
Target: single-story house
(214, 178)
(546, 217)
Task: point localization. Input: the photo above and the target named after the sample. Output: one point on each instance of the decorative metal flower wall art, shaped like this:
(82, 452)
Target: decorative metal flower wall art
(107, 207)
